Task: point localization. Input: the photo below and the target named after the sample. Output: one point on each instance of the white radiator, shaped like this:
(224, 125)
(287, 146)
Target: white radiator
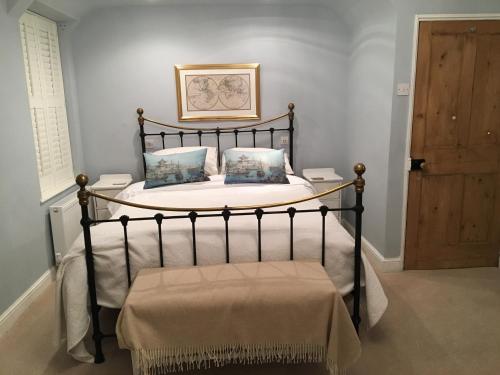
(65, 218)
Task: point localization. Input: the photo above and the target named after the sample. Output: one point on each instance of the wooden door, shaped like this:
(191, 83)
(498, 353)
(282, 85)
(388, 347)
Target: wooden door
(453, 217)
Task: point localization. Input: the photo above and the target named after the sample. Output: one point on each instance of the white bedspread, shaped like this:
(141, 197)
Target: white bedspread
(109, 254)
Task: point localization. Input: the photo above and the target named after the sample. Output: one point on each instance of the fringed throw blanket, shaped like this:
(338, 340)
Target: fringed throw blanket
(190, 318)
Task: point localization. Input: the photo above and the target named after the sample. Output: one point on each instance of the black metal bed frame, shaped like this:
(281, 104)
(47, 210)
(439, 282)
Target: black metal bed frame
(225, 213)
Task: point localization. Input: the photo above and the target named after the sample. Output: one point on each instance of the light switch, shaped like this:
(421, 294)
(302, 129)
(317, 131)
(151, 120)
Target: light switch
(403, 89)
(284, 140)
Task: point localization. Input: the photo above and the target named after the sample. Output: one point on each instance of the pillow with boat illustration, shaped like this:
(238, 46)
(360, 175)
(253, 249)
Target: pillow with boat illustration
(175, 169)
(255, 167)
(288, 167)
(210, 161)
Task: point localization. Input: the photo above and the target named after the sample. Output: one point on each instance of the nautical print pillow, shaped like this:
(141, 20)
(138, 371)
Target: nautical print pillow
(174, 169)
(266, 167)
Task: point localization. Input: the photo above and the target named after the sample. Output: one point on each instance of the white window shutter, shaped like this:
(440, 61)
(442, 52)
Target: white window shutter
(47, 103)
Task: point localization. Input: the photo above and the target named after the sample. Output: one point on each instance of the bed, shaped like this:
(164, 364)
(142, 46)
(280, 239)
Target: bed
(206, 223)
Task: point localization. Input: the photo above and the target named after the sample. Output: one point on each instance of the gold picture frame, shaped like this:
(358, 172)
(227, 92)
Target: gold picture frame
(215, 92)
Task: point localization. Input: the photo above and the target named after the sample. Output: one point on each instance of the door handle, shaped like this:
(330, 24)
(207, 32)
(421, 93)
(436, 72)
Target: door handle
(417, 164)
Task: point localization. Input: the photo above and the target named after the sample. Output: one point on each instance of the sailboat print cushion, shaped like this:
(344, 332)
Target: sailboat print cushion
(174, 169)
(255, 167)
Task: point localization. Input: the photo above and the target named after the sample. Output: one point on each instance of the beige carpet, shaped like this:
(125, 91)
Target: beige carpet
(438, 322)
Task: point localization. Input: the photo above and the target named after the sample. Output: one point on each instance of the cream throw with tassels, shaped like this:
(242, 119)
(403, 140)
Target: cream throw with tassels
(190, 318)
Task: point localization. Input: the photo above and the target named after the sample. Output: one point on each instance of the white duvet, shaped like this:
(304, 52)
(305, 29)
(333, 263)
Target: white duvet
(109, 254)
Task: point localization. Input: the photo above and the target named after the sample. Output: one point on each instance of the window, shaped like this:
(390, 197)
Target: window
(47, 104)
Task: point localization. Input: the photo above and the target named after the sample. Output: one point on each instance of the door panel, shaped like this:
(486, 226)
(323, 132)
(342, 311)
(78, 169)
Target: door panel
(486, 95)
(453, 214)
(444, 86)
(478, 210)
(440, 209)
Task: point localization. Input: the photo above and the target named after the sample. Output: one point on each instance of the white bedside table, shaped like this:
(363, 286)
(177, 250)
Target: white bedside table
(323, 179)
(109, 185)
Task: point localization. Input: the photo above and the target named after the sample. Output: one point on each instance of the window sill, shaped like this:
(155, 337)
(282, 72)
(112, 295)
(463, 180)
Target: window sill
(52, 193)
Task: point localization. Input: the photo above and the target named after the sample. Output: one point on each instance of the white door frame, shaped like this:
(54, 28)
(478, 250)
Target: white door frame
(418, 19)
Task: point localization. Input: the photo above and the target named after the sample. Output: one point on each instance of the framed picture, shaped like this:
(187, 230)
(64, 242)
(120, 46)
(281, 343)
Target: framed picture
(218, 92)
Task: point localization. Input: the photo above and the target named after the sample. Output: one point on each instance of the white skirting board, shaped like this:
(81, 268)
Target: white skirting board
(380, 263)
(10, 316)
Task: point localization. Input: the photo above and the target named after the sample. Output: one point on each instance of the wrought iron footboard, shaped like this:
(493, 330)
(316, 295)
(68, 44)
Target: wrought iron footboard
(225, 213)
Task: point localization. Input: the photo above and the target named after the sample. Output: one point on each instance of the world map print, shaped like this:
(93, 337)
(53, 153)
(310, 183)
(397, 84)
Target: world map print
(218, 92)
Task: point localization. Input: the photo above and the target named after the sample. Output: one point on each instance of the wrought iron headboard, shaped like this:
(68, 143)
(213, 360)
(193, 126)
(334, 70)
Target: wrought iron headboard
(200, 132)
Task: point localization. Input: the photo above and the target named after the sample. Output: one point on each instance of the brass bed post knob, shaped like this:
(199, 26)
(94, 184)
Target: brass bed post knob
(140, 119)
(359, 182)
(82, 180)
(291, 114)
(83, 196)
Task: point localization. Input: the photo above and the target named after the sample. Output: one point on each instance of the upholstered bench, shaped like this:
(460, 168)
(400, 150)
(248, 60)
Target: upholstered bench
(186, 318)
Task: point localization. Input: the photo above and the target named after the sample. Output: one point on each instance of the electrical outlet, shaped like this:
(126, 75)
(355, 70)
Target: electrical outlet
(284, 140)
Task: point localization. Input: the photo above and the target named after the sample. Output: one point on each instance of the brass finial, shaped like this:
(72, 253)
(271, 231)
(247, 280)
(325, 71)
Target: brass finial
(291, 114)
(359, 182)
(140, 112)
(82, 180)
(359, 169)
(83, 197)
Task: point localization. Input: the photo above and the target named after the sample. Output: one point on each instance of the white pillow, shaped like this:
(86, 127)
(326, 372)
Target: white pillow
(210, 160)
(288, 167)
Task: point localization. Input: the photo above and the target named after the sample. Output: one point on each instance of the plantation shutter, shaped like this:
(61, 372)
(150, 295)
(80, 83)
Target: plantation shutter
(47, 104)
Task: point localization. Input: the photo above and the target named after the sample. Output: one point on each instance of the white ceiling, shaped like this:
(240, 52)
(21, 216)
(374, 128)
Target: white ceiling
(79, 8)
(352, 12)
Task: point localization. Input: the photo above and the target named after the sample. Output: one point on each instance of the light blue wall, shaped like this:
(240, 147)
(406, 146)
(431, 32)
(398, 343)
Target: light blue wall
(369, 93)
(26, 244)
(349, 55)
(366, 44)
(124, 58)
